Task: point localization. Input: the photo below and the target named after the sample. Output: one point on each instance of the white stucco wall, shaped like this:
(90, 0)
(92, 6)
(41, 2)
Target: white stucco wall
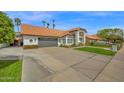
(60, 40)
(27, 40)
(77, 37)
(69, 37)
(84, 38)
(77, 41)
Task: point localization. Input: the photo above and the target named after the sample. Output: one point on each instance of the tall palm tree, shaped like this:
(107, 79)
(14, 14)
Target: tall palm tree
(44, 23)
(54, 26)
(48, 25)
(53, 21)
(17, 23)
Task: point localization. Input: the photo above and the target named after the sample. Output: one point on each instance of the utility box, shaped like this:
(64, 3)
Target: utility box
(114, 47)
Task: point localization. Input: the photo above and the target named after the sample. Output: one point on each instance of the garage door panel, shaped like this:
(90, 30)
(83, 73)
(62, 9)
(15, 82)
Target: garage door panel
(47, 42)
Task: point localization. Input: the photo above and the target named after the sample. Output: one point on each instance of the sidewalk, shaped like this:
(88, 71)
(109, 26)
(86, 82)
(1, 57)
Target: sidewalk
(114, 71)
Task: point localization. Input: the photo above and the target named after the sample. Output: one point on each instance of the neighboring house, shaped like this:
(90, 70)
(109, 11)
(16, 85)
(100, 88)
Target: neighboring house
(92, 38)
(43, 37)
(18, 39)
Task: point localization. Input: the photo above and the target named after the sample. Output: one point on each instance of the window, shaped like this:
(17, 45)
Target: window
(64, 41)
(35, 40)
(81, 39)
(69, 40)
(59, 40)
(31, 40)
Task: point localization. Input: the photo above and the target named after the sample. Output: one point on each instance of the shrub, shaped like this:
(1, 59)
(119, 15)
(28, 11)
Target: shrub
(30, 46)
(73, 45)
(81, 44)
(92, 43)
(61, 45)
(67, 46)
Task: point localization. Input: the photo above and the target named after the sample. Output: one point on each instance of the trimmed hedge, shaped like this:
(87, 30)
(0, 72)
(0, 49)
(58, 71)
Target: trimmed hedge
(30, 46)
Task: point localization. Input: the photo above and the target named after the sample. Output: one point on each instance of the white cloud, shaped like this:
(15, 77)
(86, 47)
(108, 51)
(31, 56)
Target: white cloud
(97, 13)
(38, 16)
(29, 17)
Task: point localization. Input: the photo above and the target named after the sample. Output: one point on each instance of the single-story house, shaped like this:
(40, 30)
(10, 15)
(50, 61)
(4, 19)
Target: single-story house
(92, 38)
(44, 37)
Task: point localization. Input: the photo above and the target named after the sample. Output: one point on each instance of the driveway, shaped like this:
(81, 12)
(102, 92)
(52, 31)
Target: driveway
(11, 53)
(58, 64)
(62, 64)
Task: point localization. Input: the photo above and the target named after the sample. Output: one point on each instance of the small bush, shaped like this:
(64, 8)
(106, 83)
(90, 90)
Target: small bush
(73, 45)
(30, 46)
(81, 44)
(92, 43)
(61, 45)
(67, 46)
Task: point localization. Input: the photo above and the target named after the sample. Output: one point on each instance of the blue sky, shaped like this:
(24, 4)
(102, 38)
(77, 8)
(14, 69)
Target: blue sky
(92, 21)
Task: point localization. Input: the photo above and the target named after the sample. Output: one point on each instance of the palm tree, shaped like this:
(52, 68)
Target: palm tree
(44, 23)
(53, 21)
(48, 25)
(17, 23)
(54, 26)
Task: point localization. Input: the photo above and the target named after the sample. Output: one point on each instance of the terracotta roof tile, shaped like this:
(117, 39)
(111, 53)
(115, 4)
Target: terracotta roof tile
(94, 37)
(76, 29)
(42, 31)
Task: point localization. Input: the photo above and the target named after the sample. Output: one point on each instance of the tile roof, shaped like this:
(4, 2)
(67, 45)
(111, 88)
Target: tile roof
(27, 29)
(93, 37)
(76, 29)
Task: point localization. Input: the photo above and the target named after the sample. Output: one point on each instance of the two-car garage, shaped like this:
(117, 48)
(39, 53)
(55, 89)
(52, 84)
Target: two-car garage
(47, 42)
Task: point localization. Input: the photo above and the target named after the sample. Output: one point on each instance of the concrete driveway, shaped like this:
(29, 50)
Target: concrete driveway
(11, 53)
(58, 64)
(62, 64)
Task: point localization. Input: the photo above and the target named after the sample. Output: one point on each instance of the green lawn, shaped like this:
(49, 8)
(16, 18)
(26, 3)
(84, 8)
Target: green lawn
(10, 70)
(97, 50)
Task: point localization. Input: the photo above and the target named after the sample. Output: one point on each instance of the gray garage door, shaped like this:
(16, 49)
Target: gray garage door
(47, 42)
